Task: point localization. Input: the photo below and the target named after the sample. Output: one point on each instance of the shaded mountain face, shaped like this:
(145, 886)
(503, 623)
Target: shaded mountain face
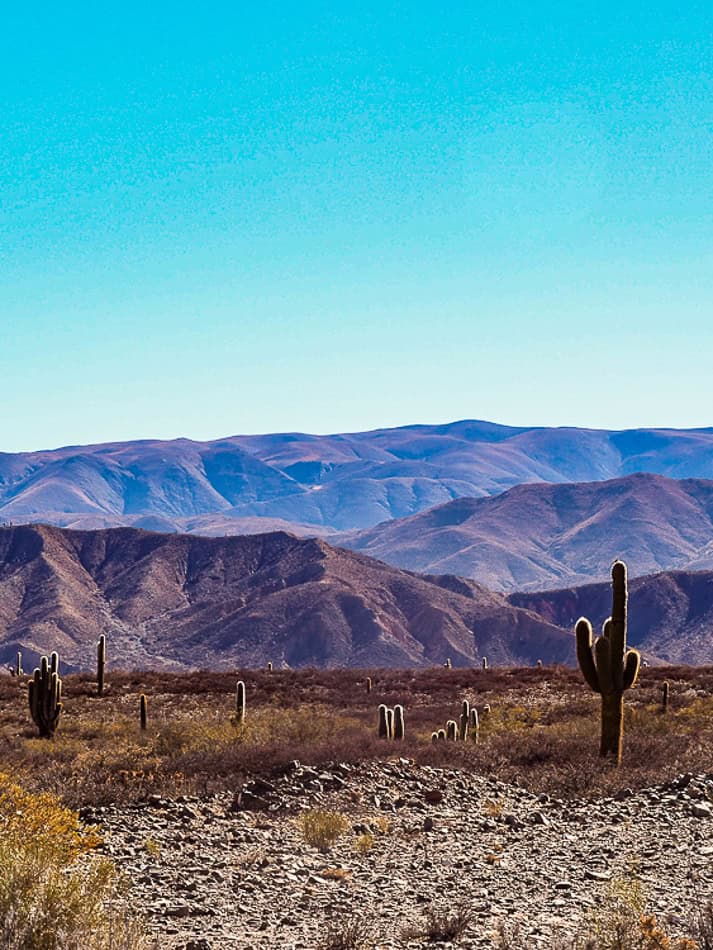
(182, 602)
(538, 536)
(323, 483)
(670, 614)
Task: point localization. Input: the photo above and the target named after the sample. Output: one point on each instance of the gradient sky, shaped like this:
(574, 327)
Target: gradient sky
(225, 218)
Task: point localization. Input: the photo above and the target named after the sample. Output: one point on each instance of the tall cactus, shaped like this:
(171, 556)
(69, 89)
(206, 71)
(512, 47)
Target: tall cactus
(451, 730)
(143, 711)
(484, 662)
(399, 725)
(665, 692)
(101, 662)
(18, 664)
(240, 702)
(390, 723)
(45, 696)
(368, 684)
(608, 667)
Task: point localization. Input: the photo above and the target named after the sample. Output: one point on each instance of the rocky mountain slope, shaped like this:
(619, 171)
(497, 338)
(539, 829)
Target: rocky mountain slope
(670, 614)
(181, 602)
(542, 535)
(341, 482)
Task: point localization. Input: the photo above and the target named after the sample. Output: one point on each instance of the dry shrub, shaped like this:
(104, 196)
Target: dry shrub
(54, 895)
(441, 925)
(320, 829)
(354, 933)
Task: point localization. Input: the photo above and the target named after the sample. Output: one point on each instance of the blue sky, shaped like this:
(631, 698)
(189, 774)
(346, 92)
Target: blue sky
(225, 218)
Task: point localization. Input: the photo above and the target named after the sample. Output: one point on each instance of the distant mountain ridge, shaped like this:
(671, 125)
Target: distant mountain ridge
(319, 484)
(186, 602)
(542, 535)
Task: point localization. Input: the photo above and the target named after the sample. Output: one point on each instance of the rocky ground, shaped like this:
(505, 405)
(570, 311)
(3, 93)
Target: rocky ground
(227, 872)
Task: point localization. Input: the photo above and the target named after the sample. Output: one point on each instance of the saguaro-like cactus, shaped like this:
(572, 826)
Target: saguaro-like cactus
(539, 664)
(448, 664)
(607, 666)
(45, 696)
(441, 735)
(451, 730)
(390, 723)
(464, 721)
(665, 691)
(485, 663)
(240, 702)
(101, 662)
(269, 666)
(369, 684)
(18, 664)
(399, 725)
(143, 710)
(383, 722)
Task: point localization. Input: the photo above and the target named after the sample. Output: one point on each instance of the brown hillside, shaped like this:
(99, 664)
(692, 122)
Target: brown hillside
(182, 601)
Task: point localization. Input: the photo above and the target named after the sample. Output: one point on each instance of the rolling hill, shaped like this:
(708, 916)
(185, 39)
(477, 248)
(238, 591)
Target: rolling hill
(542, 535)
(323, 483)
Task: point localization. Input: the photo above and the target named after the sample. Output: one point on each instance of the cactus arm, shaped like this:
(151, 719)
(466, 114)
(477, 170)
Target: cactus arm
(603, 659)
(632, 664)
(583, 632)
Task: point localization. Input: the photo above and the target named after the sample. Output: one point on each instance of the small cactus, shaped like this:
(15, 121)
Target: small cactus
(18, 664)
(441, 735)
(240, 702)
(45, 696)
(390, 723)
(474, 725)
(486, 710)
(665, 691)
(484, 662)
(451, 730)
(464, 721)
(369, 684)
(539, 664)
(448, 665)
(269, 666)
(434, 737)
(383, 722)
(143, 711)
(399, 725)
(101, 663)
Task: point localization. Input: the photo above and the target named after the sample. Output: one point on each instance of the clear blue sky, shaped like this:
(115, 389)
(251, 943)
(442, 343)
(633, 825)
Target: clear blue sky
(226, 217)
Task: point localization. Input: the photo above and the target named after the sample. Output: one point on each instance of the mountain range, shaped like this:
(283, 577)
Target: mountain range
(183, 601)
(317, 484)
(539, 535)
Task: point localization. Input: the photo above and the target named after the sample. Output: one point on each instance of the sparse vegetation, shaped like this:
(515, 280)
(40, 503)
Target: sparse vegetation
(353, 933)
(320, 829)
(541, 729)
(54, 894)
(441, 925)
